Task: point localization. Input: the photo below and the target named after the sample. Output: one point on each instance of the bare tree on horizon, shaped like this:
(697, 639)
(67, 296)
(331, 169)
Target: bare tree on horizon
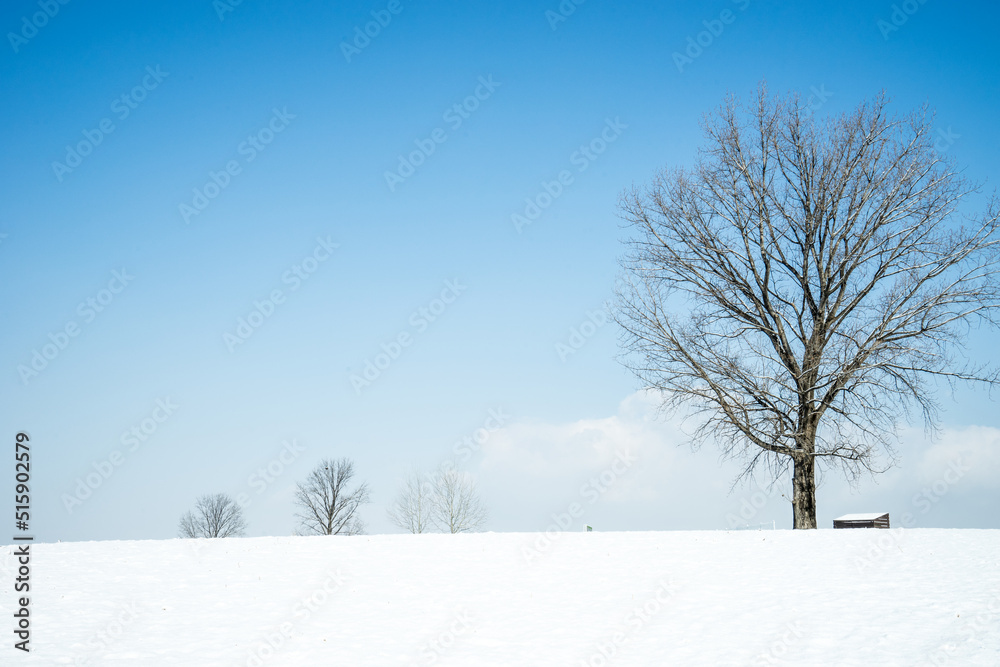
(327, 505)
(214, 515)
(456, 505)
(411, 510)
(806, 284)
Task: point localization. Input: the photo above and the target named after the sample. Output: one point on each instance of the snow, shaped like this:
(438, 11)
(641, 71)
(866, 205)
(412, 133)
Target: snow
(818, 598)
(861, 517)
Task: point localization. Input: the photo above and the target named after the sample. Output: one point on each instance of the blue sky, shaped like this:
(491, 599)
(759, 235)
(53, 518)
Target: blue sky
(202, 85)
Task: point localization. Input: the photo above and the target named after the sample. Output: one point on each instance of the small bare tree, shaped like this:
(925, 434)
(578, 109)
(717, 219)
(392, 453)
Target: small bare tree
(456, 506)
(327, 505)
(411, 510)
(806, 284)
(216, 515)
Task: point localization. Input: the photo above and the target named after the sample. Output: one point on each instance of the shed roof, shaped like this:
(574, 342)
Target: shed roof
(861, 517)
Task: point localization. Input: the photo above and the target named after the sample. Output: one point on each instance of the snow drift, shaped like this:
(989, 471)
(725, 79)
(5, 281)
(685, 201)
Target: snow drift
(848, 597)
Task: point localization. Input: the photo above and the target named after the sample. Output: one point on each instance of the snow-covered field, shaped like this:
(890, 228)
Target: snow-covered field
(861, 597)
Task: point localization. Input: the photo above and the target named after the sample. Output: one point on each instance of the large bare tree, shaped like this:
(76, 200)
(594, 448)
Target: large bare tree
(214, 515)
(327, 504)
(412, 507)
(807, 284)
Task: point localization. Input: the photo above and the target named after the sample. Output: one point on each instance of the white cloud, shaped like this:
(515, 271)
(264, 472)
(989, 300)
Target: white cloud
(529, 465)
(974, 447)
(537, 466)
(540, 449)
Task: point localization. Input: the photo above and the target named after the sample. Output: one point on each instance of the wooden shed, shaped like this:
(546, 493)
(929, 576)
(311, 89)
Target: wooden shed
(873, 520)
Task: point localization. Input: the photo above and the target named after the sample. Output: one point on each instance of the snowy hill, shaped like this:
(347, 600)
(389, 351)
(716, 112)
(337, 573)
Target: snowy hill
(853, 597)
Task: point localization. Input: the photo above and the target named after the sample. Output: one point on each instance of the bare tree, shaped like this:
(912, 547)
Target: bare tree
(328, 506)
(216, 515)
(806, 285)
(411, 510)
(457, 507)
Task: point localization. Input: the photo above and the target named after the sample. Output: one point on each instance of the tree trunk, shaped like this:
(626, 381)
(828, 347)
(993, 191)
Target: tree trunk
(804, 493)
